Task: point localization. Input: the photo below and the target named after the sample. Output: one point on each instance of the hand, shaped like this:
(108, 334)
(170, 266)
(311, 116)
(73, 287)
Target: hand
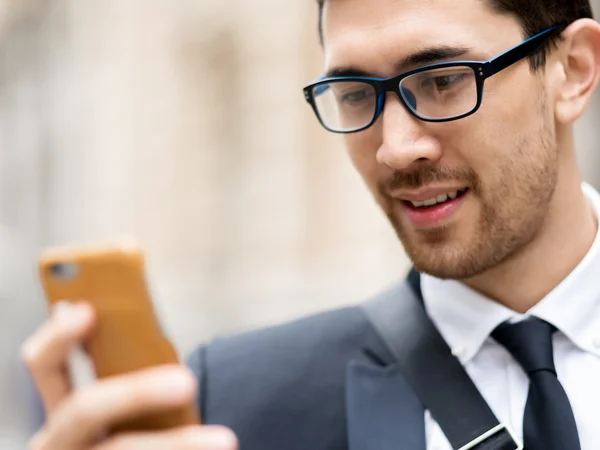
(76, 419)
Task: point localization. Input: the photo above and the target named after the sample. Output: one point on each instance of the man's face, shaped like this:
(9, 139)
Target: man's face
(501, 164)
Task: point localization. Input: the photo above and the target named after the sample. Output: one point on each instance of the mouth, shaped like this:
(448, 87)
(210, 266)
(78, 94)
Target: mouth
(436, 210)
(437, 200)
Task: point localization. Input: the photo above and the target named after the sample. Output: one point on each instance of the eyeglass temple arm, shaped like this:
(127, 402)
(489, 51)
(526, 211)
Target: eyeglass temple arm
(321, 89)
(517, 53)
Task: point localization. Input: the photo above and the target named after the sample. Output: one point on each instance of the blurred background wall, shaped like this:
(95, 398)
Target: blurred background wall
(182, 124)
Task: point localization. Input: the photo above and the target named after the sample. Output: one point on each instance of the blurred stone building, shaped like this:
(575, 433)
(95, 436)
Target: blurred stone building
(182, 124)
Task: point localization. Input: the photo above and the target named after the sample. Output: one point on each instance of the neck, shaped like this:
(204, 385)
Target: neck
(525, 279)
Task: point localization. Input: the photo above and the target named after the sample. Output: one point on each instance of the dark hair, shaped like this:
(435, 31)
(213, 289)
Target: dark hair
(534, 15)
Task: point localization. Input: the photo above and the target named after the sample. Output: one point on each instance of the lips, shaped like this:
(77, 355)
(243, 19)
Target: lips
(430, 213)
(438, 199)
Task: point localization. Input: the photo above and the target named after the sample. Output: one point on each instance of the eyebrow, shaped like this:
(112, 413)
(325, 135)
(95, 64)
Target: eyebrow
(424, 57)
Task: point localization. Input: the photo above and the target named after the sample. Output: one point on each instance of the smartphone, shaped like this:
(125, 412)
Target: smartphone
(127, 336)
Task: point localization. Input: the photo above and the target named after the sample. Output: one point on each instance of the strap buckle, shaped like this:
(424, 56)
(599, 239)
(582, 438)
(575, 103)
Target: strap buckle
(488, 434)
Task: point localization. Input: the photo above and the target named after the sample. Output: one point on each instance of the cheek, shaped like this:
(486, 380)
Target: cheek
(493, 140)
(511, 107)
(362, 148)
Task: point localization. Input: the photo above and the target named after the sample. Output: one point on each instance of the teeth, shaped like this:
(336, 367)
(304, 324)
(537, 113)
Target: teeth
(439, 199)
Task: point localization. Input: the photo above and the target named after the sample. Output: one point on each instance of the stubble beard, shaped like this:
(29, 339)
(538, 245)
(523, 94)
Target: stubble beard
(511, 214)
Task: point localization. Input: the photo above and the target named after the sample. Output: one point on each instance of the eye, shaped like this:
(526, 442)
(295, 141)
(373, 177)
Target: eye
(356, 96)
(443, 82)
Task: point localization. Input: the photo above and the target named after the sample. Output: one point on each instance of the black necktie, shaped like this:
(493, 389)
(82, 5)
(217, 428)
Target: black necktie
(548, 423)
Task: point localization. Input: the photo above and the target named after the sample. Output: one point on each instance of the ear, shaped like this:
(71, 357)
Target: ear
(579, 59)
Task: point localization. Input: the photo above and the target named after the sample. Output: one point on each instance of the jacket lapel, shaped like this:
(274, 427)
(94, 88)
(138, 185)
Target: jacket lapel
(382, 411)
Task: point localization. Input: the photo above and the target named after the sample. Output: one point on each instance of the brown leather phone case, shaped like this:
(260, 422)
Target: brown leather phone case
(127, 335)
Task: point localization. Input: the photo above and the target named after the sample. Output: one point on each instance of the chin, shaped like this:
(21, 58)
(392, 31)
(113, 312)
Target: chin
(448, 271)
(438, 255)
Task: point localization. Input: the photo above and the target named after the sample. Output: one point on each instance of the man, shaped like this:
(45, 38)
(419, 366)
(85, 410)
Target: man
(474, 164)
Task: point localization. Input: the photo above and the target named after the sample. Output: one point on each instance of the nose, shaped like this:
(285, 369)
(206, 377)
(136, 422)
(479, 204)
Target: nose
(405, 140)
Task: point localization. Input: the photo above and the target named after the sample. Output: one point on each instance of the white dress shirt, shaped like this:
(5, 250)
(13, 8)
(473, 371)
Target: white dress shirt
(466, 319)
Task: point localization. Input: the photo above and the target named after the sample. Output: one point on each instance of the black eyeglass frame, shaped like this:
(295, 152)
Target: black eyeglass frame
(483, 70)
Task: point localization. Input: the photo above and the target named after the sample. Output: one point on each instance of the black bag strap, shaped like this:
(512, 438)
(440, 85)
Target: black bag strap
(437, 377)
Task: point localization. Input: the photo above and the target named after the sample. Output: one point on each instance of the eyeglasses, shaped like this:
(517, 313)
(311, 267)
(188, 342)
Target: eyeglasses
(440, 92)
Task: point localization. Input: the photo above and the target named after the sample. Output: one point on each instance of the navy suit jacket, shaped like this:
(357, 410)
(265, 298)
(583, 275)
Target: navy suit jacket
(325, 382)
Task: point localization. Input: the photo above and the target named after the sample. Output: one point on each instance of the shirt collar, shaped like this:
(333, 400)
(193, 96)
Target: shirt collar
(466, 318)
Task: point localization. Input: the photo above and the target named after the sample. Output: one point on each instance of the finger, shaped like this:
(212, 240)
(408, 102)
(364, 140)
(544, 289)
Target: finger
(188, 438)
(45, 353)
(88, 412)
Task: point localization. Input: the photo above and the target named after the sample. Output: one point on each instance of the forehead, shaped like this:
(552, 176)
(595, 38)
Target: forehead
(373, 31)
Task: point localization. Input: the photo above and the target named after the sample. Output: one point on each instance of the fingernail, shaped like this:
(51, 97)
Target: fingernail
(69, 313)
(175, 384)
(220, 439)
